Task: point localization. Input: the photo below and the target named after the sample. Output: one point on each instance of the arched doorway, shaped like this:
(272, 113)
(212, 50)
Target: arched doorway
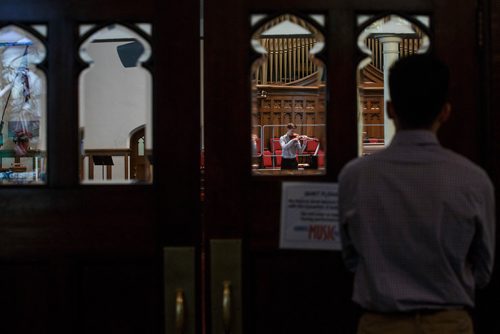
(140, 164)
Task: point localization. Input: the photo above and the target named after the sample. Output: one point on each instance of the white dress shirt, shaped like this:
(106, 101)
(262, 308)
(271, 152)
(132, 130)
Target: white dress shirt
(290, 148)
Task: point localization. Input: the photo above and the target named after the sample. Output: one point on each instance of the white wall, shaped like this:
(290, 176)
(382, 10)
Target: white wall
(114, 100)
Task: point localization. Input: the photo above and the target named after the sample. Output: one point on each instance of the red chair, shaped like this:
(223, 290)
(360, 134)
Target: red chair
(321, 158)
(278, 157)
(311, 147)
(274, 144)
(267, 159)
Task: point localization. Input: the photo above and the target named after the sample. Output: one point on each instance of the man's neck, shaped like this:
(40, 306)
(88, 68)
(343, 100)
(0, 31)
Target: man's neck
(433, 128)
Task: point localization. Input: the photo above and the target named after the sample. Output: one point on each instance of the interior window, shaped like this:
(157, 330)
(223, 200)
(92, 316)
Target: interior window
(384, 40)
(22, 106)
(288, 134)
(115, 105)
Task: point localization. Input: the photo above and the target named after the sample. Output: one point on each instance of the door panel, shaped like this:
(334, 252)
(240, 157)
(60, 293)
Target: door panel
(88, 259)
(486, 299)
(298, 292)
(26, 301)
(295, 291)
(119, 298)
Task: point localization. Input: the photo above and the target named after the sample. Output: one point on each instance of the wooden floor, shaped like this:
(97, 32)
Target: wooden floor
(300, 171)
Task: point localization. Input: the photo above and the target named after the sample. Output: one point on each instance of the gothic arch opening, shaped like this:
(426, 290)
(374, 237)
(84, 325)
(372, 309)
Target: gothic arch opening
(115, 96)
(288, 86)
(383, 40)
(23, 138)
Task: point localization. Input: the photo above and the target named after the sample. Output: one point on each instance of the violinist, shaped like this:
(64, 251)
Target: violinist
(291, 145)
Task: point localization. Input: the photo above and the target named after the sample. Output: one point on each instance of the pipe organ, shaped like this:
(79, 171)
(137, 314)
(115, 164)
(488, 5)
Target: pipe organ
(289, 85)
(407, 47)
(288, 60)
(371, 87)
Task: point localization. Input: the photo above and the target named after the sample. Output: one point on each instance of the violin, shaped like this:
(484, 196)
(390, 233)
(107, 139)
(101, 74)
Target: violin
(302, 137)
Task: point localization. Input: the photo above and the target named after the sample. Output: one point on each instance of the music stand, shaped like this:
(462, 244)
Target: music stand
(102, 160)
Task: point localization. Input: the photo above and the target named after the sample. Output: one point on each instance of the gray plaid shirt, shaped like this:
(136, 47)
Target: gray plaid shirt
(417, 226)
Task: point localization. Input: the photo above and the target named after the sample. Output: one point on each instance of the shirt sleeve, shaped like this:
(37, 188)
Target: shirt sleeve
(284, 144)
(346, 211)
(483, 244)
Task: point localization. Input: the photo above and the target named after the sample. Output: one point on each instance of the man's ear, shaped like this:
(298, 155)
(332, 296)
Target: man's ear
(445, 113)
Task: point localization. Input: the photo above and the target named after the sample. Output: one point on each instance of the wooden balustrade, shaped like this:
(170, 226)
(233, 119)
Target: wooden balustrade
(89, 154)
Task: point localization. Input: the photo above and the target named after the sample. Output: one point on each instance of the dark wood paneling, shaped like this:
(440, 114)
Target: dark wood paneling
(487, 299)
(25, 302)
(119, 298)
(48, 222)
(176, 133)
(457, 45)
(301, 298)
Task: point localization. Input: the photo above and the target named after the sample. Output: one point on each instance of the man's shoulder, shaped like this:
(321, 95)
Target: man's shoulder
(455, 163)
(460, 161)
(461, 164)
(357, 165)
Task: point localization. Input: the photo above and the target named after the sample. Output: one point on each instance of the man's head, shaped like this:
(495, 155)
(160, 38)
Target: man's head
(290, 127)
(419, 92)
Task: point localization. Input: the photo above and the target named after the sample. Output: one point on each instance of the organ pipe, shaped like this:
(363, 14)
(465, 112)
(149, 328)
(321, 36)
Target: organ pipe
(289, 59)
(294, 53)
(289, 47)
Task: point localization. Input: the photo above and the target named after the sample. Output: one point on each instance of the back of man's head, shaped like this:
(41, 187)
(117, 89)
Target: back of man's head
(419, 89)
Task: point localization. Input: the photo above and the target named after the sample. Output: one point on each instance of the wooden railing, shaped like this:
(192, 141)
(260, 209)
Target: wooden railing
(89, 154)
(35, 155)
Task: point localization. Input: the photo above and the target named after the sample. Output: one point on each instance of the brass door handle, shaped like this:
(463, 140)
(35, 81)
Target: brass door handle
(225, 286)
(226, 306)
(179, 311)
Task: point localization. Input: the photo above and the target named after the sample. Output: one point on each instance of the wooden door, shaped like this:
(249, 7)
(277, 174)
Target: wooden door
(303, 291)
(80, 258)
(139, 162)
(487, 321)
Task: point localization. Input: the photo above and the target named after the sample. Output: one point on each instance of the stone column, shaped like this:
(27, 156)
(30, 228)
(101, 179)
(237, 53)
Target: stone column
(391, 54)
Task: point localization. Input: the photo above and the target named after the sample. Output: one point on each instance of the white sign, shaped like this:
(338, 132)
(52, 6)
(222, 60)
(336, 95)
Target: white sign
(310, 216)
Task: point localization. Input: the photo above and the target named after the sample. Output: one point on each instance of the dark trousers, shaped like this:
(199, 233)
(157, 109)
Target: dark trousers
(289, 163)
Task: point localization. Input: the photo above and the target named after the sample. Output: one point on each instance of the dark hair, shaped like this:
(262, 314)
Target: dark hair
(419, 89)
(291, 126)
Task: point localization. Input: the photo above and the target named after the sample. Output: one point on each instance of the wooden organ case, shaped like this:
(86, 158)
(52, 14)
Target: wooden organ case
(288, 83)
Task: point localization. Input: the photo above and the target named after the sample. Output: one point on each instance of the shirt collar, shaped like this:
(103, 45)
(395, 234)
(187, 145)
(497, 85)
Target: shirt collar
(415, 137)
